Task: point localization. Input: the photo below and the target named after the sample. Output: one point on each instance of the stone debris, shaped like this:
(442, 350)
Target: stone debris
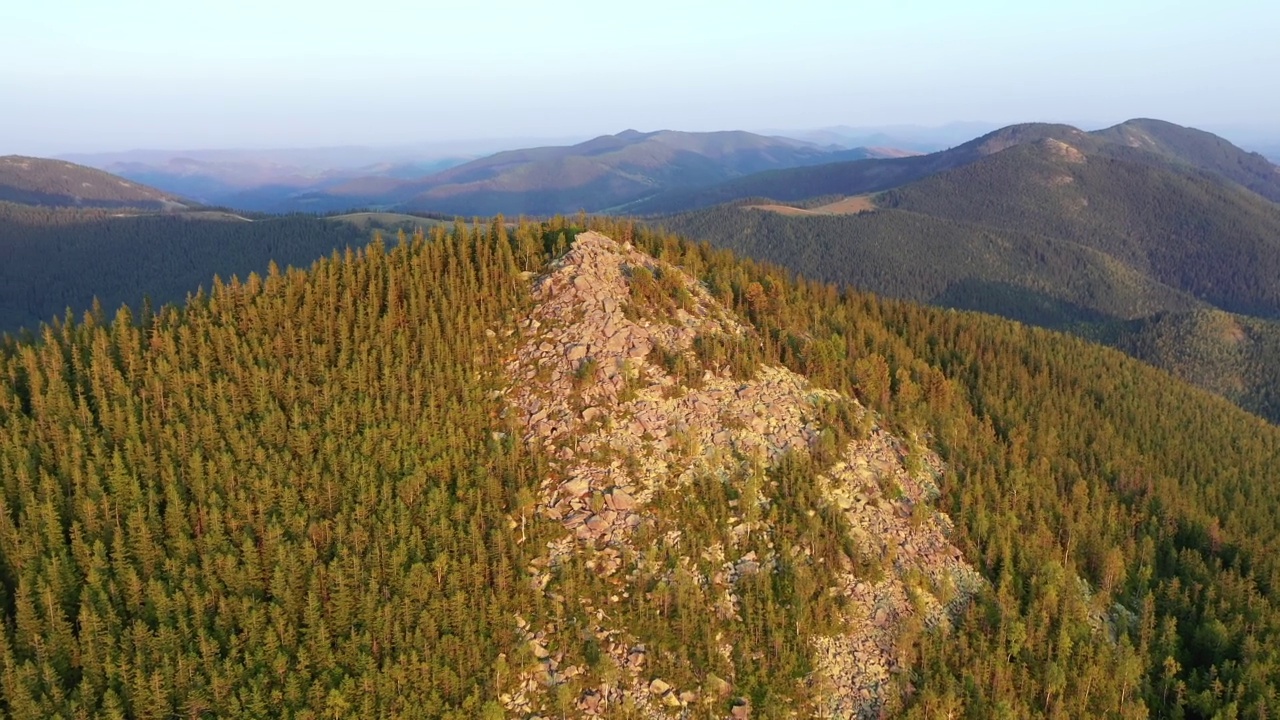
(586, 385)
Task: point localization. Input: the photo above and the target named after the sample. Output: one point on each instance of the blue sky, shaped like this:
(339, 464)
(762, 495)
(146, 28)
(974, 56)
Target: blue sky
(85, 75)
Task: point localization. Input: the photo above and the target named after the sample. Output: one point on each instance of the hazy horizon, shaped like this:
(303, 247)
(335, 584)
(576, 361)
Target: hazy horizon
(141, 75)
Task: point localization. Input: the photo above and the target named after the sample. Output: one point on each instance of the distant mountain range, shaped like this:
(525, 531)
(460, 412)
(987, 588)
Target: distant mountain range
(597, 175)
(1127, 235)
(606, 172)
(265, 179)
(40, 181)
(916, 138)
(1142, 141)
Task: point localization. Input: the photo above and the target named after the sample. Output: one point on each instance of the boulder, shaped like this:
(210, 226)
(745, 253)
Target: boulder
(621, 501)
(576, 487)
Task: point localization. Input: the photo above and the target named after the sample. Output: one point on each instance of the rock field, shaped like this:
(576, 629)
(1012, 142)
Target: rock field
(620, 428)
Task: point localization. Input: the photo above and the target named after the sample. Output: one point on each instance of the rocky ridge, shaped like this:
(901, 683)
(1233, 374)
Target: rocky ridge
(605, 375)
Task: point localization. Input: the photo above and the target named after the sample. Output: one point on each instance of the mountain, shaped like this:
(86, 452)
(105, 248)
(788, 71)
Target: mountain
(259, 185)
(1147, 142)
(914, 138)
(1200, 235)
(854, 177)
(268, 179)
(602, 173)
(618, 473)
(595, 175)
(1048, 226)
(1199, 149)
(40, 181)
(541, 180)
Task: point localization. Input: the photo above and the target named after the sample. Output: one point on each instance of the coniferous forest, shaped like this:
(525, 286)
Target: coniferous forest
(295, 495)
(639, 363)
(55, 258)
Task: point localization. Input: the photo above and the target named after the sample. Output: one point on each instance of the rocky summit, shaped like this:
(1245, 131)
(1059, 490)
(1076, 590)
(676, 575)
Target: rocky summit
(612, 375)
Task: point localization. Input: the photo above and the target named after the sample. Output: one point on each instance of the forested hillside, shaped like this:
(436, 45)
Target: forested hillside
(1026, 275)
(53, 259)
(1060, 237)
(1205, 237)
(40, 181)
(302, 493)
(1235, 356)
(1201, 150)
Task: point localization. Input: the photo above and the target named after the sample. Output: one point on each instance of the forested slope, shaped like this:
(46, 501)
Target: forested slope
(41, 181)
(1050, 234)
(288, 497)
(53, 259)
(1186, 230)
(1236, 356)
(1025, 275)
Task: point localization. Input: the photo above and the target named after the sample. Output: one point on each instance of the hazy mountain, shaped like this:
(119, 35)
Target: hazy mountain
(914, 138)
(595, 175)
(1185, 229)
(268, 179)
(602, 173)
(259, 184)
(40, 181)
(1139, 141)
(854, 177)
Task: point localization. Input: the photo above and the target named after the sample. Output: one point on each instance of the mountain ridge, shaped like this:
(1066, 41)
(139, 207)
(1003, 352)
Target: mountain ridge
(603, 172)
(1145, 141)
(595, 174)
(40, 181)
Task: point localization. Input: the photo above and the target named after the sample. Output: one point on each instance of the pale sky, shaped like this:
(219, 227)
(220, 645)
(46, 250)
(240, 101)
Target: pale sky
(97, 75)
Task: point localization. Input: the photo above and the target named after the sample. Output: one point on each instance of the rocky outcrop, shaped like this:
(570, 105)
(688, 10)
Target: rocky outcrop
(591, 381)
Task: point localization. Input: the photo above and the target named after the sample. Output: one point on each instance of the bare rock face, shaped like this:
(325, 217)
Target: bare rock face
(585, 382)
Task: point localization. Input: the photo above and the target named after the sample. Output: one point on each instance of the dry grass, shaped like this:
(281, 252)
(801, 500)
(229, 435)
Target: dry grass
(365, 220)
(848, 206)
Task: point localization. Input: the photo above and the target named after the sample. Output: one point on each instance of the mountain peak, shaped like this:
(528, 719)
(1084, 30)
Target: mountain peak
(1062, 150)
(1007, 137)
(624, 356)
(1199, 149)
